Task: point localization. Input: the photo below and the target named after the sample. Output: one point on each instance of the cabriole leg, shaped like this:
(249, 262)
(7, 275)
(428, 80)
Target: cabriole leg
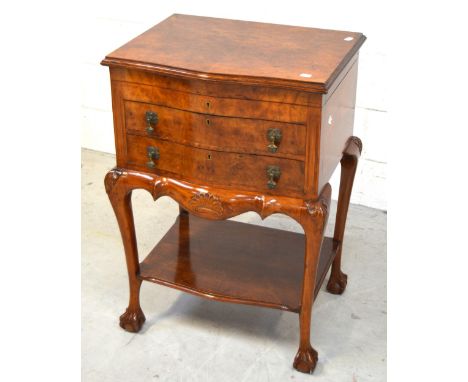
(313, 221)
(338, 280)
(120, 196)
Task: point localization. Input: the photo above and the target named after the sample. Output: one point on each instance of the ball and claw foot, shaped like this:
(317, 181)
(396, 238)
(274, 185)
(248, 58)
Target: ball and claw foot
(132, 320)
(337, 284)
(306, 361)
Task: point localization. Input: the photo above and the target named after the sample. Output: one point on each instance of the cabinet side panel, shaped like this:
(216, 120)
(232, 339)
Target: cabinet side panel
(337, 125)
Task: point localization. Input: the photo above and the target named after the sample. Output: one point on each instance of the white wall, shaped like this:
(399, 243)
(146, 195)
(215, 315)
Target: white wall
(111, 24)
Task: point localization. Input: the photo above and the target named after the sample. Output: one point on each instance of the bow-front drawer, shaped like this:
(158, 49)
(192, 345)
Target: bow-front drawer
(215, 132)
(265, 174)
(232, 107)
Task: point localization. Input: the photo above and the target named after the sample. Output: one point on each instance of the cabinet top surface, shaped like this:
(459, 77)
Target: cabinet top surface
(240, 51)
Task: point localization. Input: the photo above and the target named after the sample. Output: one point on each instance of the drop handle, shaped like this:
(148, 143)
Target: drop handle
(273, 174)
(151, 119)
(153, 153)
(274, 137)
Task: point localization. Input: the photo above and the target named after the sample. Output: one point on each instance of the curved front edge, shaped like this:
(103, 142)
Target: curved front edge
(206, 202)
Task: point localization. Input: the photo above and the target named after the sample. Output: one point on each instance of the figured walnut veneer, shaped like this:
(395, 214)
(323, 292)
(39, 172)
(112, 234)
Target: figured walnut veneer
(227, 117)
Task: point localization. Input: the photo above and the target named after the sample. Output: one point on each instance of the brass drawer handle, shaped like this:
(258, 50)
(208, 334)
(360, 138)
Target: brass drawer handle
(153, 153)
(274, 136)
(151, 119)
(273, 173)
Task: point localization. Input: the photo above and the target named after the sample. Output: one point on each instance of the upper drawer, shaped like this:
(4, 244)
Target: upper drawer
(215, 132)
(273, 111)
(214, 88)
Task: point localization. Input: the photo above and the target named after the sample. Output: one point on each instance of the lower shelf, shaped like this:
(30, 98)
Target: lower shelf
(235, 262)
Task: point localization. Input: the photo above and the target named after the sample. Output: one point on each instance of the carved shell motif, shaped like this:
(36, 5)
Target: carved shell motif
(204, 202)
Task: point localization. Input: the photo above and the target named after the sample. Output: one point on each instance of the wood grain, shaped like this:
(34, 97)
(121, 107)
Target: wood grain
(240, 51)
(338, 279)
(230, 170)
(217, 87)
(337, 126)
(121, 199)
(213, 105)
(213, 260)
(244, 135)
(204, 201)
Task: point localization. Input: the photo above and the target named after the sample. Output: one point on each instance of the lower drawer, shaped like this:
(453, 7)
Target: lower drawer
(267, 175)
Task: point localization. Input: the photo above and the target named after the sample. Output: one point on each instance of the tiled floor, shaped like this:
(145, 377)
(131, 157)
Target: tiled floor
(187, 338)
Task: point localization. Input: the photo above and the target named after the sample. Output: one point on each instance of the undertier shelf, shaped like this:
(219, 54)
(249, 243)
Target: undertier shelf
(235, 262)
